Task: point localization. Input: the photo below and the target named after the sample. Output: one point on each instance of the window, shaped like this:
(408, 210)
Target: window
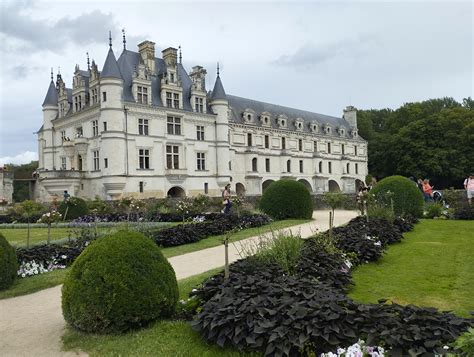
(175, 100)
(169, 99)
(199, 105)
(330, 167)
(315, 146)
(78, 102)
(95, 99)
(301, 166)
(267, 141)
(249, 139)
(63, 162)
(300, 144)
(201, 161)
(79, 132)
(142, 95)
(171, 77)
(95, 155)
(254, 164)
(172, 157)
(106, 163)
(61, 108)
(63, 135)
(320, 167)
(104, 96)
(200, 132)
(142, 126)
(267, 165)
(329, 148)
(140, 186)
(348, 168)
(357, 168)
(206, 188)
(342, 149)
(144, 158)
(95, 127)
(174, 125)
(105, 125)
(283, 143)
(288, 166)
(230, 165)
(355, 150)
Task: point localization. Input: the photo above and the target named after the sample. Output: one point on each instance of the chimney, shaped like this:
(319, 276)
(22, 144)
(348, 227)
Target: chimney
(350, 116)
(170, 56)
(147, 53)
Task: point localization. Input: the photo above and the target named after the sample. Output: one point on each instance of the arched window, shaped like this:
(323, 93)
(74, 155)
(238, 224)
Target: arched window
(347, 168)
(254, 164)
(329, 148)
(288, 166)
(320, 167)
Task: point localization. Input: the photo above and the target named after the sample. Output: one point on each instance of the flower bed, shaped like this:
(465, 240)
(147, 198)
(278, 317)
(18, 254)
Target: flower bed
(262, 308)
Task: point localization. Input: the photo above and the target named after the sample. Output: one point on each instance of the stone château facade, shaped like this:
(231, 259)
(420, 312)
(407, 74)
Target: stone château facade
(145, 127)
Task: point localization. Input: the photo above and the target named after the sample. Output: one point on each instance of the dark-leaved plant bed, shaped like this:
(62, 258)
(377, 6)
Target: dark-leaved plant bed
(261, 308)
(141, 216)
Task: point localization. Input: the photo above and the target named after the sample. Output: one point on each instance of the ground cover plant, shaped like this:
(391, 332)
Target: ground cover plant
(118, 283)
(263, 308)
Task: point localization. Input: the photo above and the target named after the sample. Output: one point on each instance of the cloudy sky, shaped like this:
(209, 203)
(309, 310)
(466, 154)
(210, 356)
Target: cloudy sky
(313, 55)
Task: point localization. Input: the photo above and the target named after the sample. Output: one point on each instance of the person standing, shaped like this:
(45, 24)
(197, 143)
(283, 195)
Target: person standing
(226, 196)
(469, 187)
(427, 190)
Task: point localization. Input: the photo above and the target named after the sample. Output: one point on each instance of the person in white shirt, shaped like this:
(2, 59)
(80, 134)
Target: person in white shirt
(469, 186)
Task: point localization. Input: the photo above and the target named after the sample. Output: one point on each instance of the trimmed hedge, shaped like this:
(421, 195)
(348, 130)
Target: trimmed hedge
(118, 283)
(287, 199)
(77, 208)
(8, 263)
(407, 198)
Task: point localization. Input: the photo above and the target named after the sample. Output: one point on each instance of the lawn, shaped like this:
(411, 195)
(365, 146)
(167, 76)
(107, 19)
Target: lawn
(17, 236)
(433, 266)
(163, 338)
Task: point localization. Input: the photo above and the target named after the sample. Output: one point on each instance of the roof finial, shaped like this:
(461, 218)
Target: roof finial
(59, 70)
(110, 39)
(52, 75)
(124, 40)
(88, 62)
(180, 55)
(217, 69)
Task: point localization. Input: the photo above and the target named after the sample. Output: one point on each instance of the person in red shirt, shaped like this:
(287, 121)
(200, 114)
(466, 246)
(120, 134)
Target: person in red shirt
(427, 190)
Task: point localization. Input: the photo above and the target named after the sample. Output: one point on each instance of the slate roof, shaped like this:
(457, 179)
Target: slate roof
(110, 69)
(218, 92)
(239, 105)
(51, 96)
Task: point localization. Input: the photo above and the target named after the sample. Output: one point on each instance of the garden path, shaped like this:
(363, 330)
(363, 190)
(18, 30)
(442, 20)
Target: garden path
(32, 325)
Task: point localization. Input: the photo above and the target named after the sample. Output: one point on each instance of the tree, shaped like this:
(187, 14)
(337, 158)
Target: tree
(333, 200)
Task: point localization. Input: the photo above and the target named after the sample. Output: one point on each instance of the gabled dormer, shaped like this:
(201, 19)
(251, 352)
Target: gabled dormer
(314, 127)
(94, 89)
(327, 129)
(80, 92)
(141, 85)
(299, 124)
(265, 118)
(63, 102)
(249, 116)
(198, 89)
(354, 133)
(171, 89)
(341, 131)
(282, 121)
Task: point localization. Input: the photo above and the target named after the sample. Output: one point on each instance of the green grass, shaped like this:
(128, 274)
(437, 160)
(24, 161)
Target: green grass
(17, 237)
(217, 240)
(433, 266)
(163, 338)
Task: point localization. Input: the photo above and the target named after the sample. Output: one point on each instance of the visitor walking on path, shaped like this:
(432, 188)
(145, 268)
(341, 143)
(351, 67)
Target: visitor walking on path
(226, 197)
(469, 187)
(427, 190)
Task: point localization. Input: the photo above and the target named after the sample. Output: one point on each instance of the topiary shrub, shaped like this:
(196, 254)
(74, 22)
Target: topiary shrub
(407, 198)
(77, 208)
(119, 282)
(8, 263)
(287, 199)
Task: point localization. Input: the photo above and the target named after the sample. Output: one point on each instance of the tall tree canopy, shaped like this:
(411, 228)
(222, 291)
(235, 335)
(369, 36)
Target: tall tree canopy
(432, 139)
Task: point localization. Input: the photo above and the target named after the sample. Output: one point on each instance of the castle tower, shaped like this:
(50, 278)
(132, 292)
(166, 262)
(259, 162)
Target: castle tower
(46, 139)
(220, 107)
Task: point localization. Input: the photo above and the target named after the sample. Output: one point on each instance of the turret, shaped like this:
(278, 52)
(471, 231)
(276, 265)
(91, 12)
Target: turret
(220, 107)
(50, 105)
(46, 134)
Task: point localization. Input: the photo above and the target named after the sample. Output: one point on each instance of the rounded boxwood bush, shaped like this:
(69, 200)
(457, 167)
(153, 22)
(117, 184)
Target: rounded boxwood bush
(77, 208)
(8, 263)
(407, 198)
(119, 282)
(287, 199)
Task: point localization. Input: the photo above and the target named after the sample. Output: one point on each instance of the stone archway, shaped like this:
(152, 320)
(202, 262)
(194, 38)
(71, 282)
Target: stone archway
(334, 186)
(306, 184)
(176, 192)
(239, 189)
(265, 184)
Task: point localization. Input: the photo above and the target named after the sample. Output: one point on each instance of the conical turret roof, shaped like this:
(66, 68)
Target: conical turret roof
(52, 95)
(218, 92)
(110, 69)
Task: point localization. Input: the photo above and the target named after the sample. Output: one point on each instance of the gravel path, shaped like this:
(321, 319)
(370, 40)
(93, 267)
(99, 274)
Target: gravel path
(32, 325)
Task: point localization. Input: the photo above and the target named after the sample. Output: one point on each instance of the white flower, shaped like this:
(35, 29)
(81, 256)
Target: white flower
(446, 347)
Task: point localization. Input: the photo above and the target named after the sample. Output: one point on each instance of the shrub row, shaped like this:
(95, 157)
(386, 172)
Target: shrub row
(140, 216)
(263, 309)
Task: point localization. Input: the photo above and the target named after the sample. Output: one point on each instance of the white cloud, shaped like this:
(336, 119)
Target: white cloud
(20, 159)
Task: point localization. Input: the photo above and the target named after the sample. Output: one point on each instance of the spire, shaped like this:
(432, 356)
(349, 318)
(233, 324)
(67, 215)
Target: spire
(111, 68)
(180, 55)
(218, 92)
(52, 75)
(52, 94)
(110, 39)
(124, 40)
(88, 62)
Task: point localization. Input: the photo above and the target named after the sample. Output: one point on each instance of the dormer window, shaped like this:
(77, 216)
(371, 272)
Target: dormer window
(199, 104)
(265, 118)
(249, 115)
(341, 131)
(299, 124)
(142, 95)
(282, 121)
(172, 77)
(314, 127)
(354, 133)
(327, 129)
